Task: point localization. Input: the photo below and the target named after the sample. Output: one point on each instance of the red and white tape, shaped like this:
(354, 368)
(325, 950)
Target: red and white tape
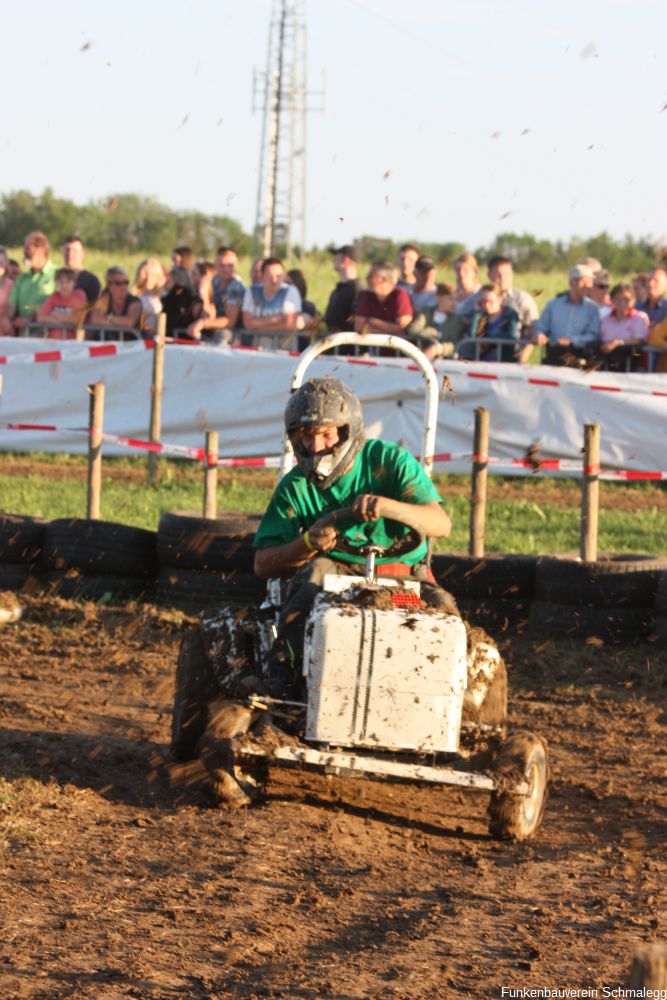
(542, 467)
(78, 351)
(117, 348)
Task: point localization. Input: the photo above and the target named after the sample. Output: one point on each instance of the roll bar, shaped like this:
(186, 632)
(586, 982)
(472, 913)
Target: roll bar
(373, 340)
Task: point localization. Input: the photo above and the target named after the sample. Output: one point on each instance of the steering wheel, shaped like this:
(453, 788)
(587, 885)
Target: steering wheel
(402, 546)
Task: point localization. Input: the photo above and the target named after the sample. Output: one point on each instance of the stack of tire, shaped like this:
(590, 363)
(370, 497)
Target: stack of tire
(613, 598)
(207, 562)
(97, 560)
(493, 592)
(661, 610)
(21, 541)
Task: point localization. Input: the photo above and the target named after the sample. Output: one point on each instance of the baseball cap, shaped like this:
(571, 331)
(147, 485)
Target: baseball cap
(347, 250)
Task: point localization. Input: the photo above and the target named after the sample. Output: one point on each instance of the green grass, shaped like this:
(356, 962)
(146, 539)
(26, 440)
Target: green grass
(526, 515)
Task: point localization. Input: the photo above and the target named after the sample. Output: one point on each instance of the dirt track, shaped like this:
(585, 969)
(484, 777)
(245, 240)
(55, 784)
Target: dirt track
(120, 883)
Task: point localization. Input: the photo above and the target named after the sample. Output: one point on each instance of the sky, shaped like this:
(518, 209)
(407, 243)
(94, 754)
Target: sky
(442, 121)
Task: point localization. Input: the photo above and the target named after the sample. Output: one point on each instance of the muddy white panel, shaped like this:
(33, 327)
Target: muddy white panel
(377, 678)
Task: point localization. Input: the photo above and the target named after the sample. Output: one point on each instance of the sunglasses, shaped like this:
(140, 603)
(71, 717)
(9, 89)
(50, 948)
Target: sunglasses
(602, 287)
(125, 281)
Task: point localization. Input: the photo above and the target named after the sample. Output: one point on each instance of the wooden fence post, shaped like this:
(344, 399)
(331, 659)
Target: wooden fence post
(590, 494)
(480, 464)
(156, 394)
(649, 967)
(211, 475)
(95, 422)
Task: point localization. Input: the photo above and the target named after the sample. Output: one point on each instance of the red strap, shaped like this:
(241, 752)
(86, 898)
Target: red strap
(400, 569)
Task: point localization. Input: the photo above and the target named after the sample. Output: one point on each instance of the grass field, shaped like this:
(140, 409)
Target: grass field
(523, 515)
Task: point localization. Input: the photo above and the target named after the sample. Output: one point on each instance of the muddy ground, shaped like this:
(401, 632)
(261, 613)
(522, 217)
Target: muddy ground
(120, 881)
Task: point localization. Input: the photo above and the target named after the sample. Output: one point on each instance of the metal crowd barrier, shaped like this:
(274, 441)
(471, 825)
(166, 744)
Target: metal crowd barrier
(87, 331)
(293, 340)
(491, 346)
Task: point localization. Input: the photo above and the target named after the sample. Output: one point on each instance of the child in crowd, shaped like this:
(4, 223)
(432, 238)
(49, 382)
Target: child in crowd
(493, 321)
(67, 304)
(449, 327)
(622, 330)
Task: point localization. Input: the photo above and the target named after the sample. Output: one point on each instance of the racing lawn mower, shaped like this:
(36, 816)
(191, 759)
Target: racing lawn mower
(394, 689)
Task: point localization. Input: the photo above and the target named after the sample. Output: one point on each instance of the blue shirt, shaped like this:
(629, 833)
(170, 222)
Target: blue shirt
(286, 300)
(230, 295)
(655, 313)
(577, 322)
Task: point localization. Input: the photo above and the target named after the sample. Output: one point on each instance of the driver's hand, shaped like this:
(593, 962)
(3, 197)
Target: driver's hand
(322, 537)
(369, 507)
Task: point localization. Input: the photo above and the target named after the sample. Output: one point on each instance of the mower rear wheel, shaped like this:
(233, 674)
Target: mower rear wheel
(521, 757)
(195, 686)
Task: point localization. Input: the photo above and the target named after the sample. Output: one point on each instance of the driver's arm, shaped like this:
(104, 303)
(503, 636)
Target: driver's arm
(429, 519)
(276, 560)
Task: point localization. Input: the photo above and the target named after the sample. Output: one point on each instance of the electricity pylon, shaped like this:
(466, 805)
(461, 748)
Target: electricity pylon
(281, 94)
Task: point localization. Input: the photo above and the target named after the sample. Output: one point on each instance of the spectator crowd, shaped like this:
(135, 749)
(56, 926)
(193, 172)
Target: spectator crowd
(592, 323)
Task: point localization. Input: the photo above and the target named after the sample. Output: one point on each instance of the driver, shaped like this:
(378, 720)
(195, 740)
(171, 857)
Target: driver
(336, 467)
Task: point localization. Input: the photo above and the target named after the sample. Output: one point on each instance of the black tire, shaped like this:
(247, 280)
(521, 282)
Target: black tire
(13, 575)
(659, 634)
(21, 538)
(661, 594)
(521, 757)
(615, 581)
(495, 575)
(99, 548)
(195, 686)
(495, 614)
(483, 657)
(73, 586)
(187, 541)
(609, 624)
(201, 589)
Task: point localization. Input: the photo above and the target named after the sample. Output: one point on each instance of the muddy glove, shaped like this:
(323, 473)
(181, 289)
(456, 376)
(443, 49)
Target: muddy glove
(320, 536)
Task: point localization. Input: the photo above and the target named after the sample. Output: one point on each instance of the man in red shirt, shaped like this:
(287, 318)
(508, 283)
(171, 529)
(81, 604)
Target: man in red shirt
(384, 308)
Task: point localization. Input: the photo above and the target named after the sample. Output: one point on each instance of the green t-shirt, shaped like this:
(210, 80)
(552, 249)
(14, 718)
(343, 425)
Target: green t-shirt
(380, 468)
(31, 290)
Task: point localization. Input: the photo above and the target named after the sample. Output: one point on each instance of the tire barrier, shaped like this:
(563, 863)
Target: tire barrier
(196, 563)
(99, 548)
(495, 575)
(661, 593)
(187, 541)
(21, 538)
(625, 581)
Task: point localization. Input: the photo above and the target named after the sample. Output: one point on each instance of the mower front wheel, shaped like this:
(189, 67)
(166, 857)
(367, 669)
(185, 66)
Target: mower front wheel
(522, 757)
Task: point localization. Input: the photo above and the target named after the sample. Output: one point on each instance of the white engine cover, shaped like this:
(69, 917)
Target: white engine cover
(384, 678)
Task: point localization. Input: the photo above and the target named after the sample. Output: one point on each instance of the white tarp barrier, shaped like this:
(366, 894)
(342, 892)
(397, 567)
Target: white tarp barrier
(242, 395)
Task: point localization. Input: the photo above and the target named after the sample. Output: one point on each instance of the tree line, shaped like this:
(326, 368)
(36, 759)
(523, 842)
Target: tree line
(125, 222)
(136, 223)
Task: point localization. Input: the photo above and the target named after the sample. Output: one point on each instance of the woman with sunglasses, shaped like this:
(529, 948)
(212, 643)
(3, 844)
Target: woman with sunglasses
(116, 307)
